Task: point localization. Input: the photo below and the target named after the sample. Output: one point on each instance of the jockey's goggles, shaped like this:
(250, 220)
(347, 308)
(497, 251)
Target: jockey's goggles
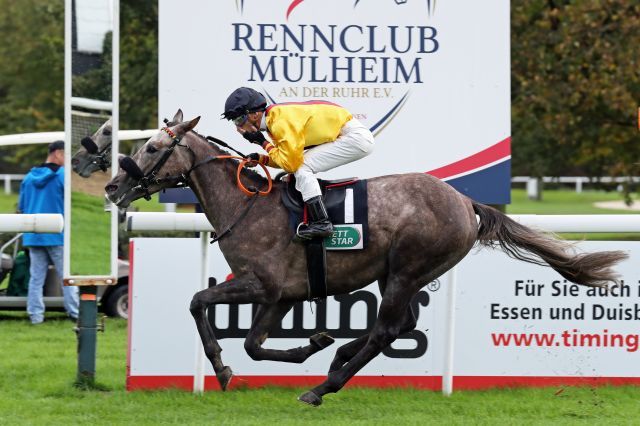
(239, 121)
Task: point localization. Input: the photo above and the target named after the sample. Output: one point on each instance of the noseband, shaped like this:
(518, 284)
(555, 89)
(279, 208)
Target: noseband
(151, 177)
(101, 158)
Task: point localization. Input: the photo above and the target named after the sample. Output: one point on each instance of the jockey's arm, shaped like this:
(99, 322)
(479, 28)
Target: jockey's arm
(286, 151)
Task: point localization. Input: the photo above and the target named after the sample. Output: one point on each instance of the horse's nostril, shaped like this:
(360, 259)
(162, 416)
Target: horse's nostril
(111, 188)
(75, 161)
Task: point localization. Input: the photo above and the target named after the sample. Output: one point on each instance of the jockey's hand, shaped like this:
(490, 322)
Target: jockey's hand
(254, 157)
(255, 137)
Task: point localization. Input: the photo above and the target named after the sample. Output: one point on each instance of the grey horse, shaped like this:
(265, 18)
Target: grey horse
(419, 227)
(95, 153)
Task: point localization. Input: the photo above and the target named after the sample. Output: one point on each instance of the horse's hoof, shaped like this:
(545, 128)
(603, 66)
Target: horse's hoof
(310, 398)
(322, 340)
(224, 377)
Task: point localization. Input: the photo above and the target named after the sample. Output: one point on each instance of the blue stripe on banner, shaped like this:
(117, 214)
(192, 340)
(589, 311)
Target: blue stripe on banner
(489, 186)
(382, 120)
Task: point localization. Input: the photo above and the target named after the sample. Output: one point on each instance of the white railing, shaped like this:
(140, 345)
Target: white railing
(578, 181)
(588, 223)
(48, 137)
(7, 181)
(197, 222)
(38, 223)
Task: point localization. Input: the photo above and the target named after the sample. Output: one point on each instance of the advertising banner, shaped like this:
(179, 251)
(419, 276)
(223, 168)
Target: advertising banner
(164, 342)
(430, 79)
(517, 324)
(523, 323)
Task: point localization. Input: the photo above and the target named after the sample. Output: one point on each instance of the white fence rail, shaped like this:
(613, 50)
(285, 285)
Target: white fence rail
(38, 223)
(197, 222)
(7, 181)
(48, 137)
(578, 181)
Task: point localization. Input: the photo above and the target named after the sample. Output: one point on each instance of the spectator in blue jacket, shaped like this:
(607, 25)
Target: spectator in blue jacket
(42, 191)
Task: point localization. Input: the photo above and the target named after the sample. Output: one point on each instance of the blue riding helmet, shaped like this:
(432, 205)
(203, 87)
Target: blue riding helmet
(242, 101)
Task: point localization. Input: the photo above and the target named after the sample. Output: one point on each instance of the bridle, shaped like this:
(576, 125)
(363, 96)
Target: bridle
(145, 180)
(101, 158)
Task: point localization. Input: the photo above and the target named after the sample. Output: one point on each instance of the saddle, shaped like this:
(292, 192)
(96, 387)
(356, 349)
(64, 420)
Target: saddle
(346, 203)
(292, 198)
(345, 200)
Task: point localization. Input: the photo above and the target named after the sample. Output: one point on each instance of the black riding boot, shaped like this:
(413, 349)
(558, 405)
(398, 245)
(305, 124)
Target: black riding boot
(319, 224)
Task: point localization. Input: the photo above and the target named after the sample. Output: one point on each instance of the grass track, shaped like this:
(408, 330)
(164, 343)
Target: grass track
(38, 366)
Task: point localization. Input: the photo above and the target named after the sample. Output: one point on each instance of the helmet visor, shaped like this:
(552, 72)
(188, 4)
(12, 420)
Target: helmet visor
(239, 121)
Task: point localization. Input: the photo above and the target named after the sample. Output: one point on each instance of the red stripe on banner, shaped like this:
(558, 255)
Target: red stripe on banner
(292, 6)
(238, 382)
(493, 153)
(130, 307)
(416, 382)
(484, 382)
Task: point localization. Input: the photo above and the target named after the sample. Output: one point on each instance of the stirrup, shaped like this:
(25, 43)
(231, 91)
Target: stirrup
(301, 237)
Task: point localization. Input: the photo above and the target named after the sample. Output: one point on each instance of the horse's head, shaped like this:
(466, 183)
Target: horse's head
(160, 163)
(95, 153)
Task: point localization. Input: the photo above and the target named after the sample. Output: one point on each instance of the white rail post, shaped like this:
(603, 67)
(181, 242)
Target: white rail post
(450, 337)
(7, 184)
(198, 377)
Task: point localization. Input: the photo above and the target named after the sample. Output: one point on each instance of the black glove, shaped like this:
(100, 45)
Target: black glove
(255, 137)
(254, 156)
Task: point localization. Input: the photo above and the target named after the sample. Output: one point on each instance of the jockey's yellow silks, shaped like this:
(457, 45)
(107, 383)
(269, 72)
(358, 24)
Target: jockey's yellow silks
(294, 126)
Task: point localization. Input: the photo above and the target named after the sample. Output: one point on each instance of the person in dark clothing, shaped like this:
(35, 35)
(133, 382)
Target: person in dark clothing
(42, 191)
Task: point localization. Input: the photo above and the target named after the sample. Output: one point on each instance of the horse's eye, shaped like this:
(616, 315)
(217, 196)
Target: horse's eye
(151, 149)
(106, 132)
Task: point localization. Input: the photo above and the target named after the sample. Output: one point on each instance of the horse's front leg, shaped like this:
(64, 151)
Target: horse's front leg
(266, 318)
(232, 291)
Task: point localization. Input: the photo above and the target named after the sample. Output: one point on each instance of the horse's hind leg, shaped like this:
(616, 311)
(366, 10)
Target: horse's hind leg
(268, 317)
(349, 350)
(391, 317)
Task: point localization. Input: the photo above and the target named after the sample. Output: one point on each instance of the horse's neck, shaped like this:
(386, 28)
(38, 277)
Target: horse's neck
(215, 186)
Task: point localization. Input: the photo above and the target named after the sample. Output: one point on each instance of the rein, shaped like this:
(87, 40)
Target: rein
(151, 177)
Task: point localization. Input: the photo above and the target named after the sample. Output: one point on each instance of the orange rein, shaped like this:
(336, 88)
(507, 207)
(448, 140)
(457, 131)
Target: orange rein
(240, 167)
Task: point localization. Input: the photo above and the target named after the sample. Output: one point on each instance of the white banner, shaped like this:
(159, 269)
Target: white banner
(430, 79)
(516, 324)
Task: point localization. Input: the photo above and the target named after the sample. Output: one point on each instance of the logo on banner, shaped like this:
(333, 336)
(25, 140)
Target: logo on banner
(296, 3)
(369, 69)
(346, 302)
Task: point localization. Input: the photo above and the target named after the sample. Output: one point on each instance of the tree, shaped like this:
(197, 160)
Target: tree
(32, 72)
(575, 87)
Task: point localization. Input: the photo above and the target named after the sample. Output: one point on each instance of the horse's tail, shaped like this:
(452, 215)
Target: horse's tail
(522, 243)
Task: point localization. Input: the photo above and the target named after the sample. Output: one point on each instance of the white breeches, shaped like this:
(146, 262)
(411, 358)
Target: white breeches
(354, 142)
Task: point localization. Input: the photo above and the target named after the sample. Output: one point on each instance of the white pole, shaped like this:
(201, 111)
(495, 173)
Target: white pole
(198, 377)
(68, 12)
(115, 124)
(450, 337)
(7, 184)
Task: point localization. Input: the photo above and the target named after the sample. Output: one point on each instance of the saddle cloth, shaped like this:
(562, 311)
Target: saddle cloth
(346, 202)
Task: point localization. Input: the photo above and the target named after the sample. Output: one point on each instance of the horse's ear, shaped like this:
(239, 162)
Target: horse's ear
(187, 126)
(178, 117)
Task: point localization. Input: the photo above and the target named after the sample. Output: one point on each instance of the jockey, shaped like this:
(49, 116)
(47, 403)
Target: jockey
(306, 138)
